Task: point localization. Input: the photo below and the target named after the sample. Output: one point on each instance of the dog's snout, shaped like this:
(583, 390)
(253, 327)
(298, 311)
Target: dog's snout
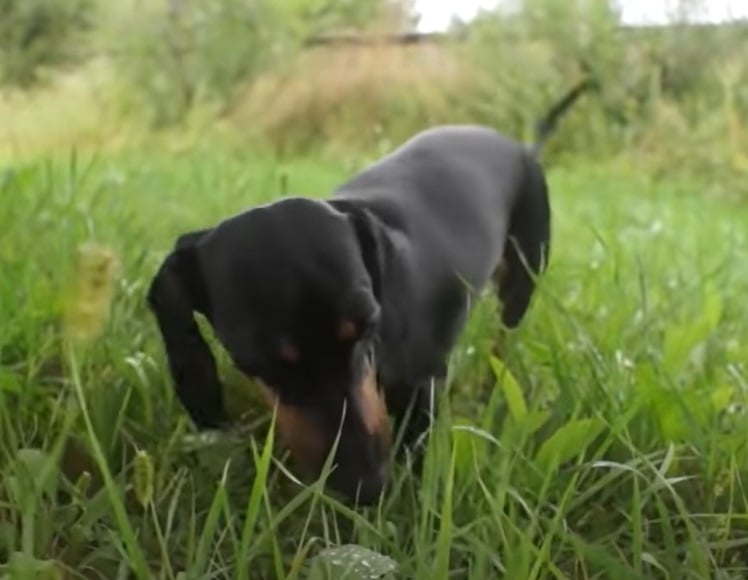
(362, 467)
(371, 487)
(365, 487)
(361, 461)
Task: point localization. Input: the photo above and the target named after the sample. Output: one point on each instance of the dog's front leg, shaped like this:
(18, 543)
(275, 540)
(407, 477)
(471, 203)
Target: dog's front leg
(414, 410)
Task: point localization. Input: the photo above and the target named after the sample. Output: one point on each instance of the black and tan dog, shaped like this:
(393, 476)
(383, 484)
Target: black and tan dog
(346, 309)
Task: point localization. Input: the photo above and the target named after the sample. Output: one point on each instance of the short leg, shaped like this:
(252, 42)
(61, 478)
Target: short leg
(415, 418)
(414, 410)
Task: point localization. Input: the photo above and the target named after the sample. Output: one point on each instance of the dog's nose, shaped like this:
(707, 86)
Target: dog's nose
(370, 488)
(364, 490)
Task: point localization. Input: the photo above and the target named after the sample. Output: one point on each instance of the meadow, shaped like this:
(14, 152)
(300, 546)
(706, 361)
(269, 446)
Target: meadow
(610, 441)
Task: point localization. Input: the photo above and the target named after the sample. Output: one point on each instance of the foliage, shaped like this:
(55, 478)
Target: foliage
(37, 34)
(505, 70)
(610, 441)
(179, 54)
(175, 55)
(529, 57)
(662, 99)
(320, 17)
(663, 88)
(366, 98)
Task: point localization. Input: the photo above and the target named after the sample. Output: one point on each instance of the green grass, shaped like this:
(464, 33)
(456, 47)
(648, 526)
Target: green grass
(610, 443)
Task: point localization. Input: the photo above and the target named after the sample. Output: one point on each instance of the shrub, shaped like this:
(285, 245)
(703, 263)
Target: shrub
(37, 34)
(320, 17)
(660, 88)
(362, 97)
(181, 53)
(528, 58)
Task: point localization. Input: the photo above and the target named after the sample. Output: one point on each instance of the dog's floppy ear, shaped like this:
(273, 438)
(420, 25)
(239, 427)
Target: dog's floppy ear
(176, 292)
(370, 235)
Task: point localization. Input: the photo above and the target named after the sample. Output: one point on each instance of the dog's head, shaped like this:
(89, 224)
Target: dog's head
(292, 291)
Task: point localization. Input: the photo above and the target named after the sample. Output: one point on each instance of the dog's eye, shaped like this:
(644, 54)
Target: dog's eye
(289, 352)
(347, 330)
(350, 330)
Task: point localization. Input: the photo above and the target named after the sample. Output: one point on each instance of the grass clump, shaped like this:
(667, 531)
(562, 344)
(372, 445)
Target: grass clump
(609, 442)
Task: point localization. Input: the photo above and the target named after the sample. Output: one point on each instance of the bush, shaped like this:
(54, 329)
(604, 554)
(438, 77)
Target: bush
(318, 17)
(181, 53)
(185, 52)
(659, 101)
(661, 89)
(528, 59)
(36, 34)
(362, 97)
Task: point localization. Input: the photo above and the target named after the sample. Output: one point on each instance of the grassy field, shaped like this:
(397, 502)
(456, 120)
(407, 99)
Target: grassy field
(612, 445)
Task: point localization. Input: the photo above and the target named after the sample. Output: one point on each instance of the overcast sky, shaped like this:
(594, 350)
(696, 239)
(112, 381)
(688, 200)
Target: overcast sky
(436, 14)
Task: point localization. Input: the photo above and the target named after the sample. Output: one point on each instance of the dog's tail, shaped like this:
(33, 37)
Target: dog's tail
(547, 125)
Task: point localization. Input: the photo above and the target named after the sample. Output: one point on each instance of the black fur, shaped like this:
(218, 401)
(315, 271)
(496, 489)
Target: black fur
(398, 249)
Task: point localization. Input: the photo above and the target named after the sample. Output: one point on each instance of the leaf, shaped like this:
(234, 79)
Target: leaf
(721, 397)
(568, 441)
(251, 514)
(680, 413)
(670, 421)
(202, 557)
(512, 391)
(444, 539)
(535, 420)
(351, 562)
(713, 307)
(469, 444)
(10, 382)
(21, 565)
(34, 476)
(681, 339)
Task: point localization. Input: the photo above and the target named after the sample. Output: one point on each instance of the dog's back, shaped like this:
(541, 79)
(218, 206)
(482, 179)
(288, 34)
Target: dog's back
(449, 188)
(470, 201)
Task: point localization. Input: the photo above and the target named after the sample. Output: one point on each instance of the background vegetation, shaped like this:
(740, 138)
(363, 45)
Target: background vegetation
(609, 443)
